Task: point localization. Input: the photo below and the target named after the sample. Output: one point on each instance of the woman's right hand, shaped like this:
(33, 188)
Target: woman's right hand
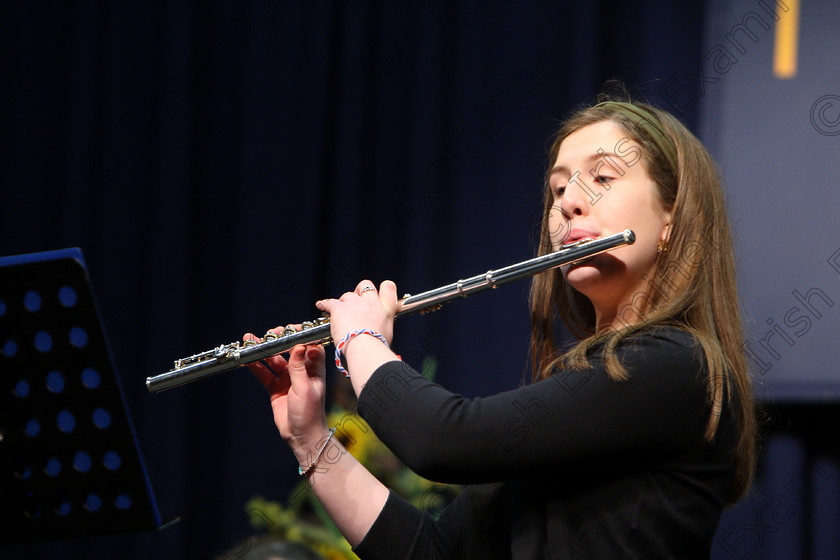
(297, 390)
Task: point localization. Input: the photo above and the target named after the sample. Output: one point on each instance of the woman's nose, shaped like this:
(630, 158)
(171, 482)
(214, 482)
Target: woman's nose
(577, 197)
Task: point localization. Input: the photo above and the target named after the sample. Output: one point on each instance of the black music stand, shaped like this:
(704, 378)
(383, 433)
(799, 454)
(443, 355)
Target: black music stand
(70, 465)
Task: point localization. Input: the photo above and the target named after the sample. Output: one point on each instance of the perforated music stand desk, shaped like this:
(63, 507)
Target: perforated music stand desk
(70, 465)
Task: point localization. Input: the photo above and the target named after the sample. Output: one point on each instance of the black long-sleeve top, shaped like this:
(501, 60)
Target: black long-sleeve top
(574, 466)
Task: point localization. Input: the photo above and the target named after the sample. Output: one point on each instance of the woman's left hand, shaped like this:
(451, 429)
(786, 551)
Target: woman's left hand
(363, 308)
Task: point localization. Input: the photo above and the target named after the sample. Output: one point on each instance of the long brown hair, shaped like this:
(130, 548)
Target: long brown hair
(693, 287)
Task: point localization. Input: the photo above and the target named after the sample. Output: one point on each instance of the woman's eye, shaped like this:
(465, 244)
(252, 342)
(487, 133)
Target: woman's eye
(559, 191)
(601, 180)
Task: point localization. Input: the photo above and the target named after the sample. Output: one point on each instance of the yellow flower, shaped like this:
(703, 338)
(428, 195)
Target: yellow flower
(354, 434)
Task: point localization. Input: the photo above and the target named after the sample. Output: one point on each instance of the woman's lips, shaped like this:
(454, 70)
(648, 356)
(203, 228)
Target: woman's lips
(580, 234)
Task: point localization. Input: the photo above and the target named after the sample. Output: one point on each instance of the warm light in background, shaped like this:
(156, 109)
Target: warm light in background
(787, 38)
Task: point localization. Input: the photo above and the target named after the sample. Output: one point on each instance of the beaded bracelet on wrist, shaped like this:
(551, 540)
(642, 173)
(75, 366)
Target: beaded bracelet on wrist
(303, 471)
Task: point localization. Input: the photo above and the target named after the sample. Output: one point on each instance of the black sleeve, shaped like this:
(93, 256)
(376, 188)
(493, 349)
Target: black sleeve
(572, 419)
(395, 532)
(405, 532)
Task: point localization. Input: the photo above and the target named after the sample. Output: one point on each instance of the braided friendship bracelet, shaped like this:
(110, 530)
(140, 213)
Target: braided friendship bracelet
(303, 471)
(346, 339)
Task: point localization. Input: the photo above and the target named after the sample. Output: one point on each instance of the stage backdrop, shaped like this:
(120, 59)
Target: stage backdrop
(224, 165)
(770, 98)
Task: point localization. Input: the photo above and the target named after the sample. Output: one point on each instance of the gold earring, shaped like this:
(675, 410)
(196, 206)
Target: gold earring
(662, 248)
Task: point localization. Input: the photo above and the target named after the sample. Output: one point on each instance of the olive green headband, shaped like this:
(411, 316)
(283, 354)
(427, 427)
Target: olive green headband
(641, 116)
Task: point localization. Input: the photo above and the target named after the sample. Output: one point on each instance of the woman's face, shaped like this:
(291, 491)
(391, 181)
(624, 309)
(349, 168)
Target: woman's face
(601, 185)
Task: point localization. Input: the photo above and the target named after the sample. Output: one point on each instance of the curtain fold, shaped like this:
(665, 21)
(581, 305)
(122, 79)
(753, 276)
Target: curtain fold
(223, 165)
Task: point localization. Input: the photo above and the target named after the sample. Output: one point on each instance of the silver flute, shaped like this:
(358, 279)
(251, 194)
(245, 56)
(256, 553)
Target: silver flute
(231, 356)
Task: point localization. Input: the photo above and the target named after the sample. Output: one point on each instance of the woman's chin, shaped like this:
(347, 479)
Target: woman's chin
(579, 276)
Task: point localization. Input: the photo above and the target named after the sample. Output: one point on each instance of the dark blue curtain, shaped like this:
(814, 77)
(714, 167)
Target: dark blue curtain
(224, 164)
